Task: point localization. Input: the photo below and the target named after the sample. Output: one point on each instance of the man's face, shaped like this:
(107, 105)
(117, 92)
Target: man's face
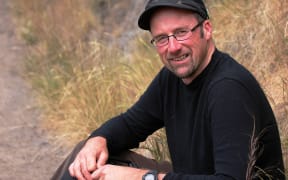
(187, 58)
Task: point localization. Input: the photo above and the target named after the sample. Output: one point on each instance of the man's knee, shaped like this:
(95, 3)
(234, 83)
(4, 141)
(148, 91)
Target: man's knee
(62, 172)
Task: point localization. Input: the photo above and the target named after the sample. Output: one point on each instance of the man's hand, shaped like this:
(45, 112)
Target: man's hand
(112, 172)
(92, 156)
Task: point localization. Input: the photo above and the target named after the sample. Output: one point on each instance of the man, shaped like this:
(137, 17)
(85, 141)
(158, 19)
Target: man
(218, 122)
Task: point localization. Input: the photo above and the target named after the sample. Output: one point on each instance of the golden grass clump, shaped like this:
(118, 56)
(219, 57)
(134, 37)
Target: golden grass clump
(54, 32)
(61, 23)
(94, 95)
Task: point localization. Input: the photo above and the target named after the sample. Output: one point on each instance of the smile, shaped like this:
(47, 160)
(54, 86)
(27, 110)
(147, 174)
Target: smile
(179, 58)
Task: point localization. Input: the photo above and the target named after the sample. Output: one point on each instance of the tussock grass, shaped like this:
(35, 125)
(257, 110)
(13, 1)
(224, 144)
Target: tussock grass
(54, 24)
(82, 80)
(94, 95)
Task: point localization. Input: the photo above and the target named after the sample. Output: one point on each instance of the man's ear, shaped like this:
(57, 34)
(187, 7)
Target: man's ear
(207, 29)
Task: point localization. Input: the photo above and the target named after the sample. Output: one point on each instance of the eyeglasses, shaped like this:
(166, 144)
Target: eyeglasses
(179, 35)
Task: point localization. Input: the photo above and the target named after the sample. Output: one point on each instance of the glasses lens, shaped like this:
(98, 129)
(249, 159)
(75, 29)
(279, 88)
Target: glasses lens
(183, 34)
(161, 41)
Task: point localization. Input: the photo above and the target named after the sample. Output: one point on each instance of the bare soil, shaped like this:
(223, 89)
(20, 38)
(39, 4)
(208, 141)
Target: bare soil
(25, 149)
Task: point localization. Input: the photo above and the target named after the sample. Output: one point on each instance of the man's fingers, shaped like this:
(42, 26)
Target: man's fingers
(91, 164)
(92, 155)
(75, 169)
(83, 167)
(71, 169)
(102, 160)
(97, 174)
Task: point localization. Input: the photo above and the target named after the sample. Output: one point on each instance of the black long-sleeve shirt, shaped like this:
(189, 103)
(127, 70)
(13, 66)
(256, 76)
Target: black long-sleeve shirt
(209, 123)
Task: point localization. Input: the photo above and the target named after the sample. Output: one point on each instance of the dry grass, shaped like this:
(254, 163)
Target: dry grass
(62, 23)
(82, 80)
(95, 95)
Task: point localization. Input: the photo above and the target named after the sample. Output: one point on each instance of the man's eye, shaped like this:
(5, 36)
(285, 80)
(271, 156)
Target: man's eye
(181, 33)
(161, 38)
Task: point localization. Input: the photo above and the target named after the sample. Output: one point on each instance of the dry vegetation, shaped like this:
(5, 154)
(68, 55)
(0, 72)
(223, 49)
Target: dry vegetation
(83, 80)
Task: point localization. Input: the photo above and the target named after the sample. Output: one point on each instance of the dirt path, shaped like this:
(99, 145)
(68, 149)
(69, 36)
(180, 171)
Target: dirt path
(25, 152)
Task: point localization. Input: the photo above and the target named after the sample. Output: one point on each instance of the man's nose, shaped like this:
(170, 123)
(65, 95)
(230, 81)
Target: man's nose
(173, 44)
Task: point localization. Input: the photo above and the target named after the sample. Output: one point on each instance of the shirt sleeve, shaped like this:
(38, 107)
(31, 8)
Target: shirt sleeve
(137, 123)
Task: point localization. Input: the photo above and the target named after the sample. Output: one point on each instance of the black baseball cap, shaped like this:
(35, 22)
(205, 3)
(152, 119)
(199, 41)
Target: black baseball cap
(194, 5)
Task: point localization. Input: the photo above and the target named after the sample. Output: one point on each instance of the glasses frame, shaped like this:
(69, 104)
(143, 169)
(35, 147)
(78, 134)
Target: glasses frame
(153, 41)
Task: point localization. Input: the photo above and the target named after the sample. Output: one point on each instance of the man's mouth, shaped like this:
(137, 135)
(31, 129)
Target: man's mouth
(180, 58)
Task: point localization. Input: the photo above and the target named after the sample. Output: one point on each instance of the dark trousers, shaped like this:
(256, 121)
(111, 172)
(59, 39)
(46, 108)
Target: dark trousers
(127, 158)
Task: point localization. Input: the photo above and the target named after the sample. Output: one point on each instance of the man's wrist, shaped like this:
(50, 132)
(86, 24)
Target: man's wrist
(161, 176)
(158, 176)
(98, 140)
